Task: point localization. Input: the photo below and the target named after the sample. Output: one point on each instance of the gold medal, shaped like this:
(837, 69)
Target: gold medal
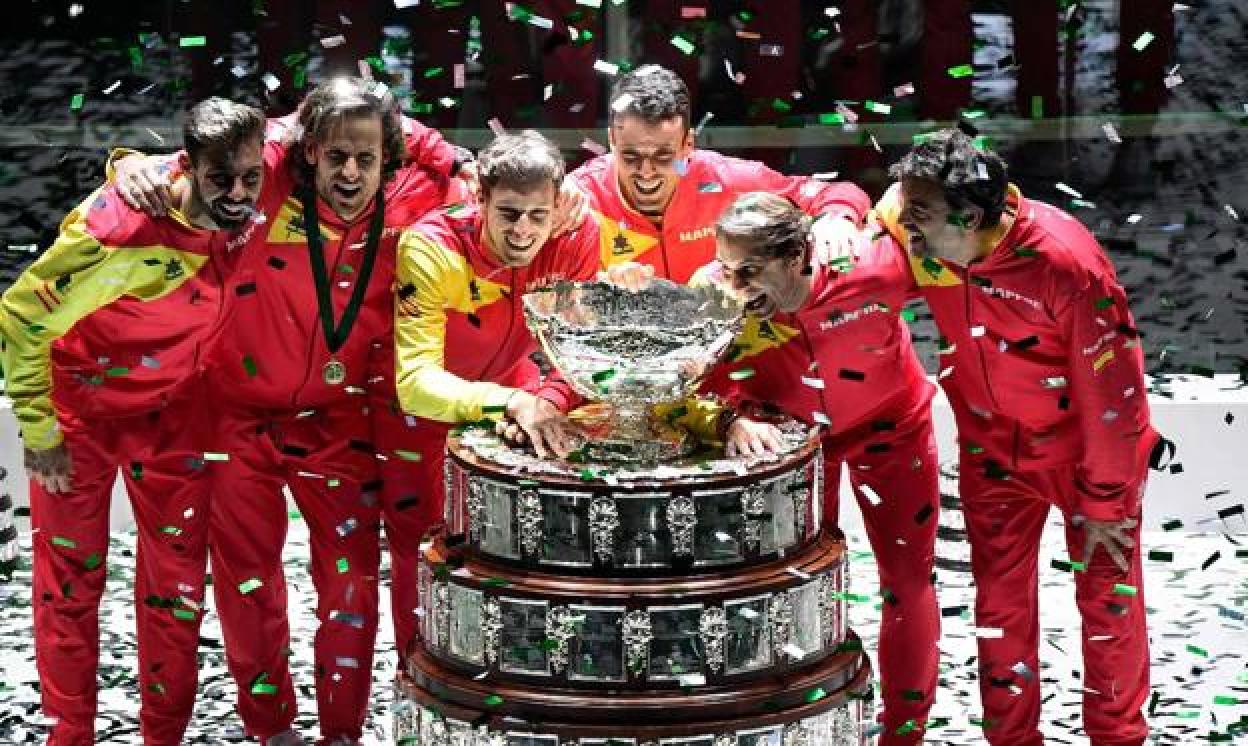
(334, 372)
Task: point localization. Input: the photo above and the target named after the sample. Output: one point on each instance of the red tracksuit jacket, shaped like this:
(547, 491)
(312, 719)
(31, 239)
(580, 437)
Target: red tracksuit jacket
(460, 333)
(115, 316)
(686, 240)
(273, 352)
(1040, 356)
(844, 360)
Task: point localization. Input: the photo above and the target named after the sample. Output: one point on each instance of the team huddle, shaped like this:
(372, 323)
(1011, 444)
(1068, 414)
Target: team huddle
(312, 303)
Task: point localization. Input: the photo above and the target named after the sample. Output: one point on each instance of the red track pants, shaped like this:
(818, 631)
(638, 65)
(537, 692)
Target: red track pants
(1005, 519)
(895, 475)
(326, 459)
(166, 483)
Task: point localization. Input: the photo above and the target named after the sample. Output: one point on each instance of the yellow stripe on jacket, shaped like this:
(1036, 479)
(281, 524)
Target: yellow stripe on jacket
(73, 278)
(432, 279)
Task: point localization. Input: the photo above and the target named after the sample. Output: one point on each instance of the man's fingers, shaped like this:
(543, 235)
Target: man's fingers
(1124, 539)
(1115, 554)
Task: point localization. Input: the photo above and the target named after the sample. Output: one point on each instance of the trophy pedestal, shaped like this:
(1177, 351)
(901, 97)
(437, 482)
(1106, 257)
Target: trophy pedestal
(698, 602)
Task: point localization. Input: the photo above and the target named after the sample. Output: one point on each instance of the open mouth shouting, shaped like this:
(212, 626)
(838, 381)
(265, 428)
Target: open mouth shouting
(648, 188)
(348, 192)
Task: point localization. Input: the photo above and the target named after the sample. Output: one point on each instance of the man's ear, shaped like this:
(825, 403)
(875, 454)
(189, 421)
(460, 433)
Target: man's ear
(688, 145)
(309, 154)
(184, 162)
(610, 137)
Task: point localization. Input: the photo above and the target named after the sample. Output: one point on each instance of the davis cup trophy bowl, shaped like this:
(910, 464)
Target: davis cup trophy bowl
(640, 353)
(647, 591)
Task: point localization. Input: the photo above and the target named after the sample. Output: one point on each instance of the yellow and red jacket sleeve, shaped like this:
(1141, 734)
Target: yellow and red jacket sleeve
(1108, 393)
(431, 279)
(74, 277)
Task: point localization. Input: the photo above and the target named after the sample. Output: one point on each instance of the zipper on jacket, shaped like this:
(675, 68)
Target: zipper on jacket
(979, 353)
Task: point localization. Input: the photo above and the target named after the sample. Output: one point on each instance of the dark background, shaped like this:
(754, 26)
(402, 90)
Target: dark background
(1047, 79)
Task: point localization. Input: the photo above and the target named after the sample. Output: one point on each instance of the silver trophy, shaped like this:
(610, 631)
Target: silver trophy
(636, 354)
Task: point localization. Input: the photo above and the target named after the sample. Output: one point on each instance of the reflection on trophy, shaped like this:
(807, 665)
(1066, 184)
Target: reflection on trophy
(637, 353)
(649, 591)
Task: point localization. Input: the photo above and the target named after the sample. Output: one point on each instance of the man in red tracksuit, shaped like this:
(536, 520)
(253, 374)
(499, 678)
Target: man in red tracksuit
(463, 347)
(102, 341)
(656, 196)
(829, 348)
(306, 359)
(310, 336)
(1044, 371)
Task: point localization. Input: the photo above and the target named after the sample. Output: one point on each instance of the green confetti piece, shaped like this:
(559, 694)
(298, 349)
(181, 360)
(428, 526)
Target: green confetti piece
(684, 45)
(603, 375)
(261, 685)
(1160, 555)
(1172, 525)
(92, 561)
(136, 471)
(1195, 650)
(136, 57)
(156, 687)
(1103, 303)
(494, 409)
(742, 374)
(61, 541)
(494, 582)
(1188, 714)
(407, 455)
(1037, 107)
(781, 105)
(831, 118)
(1122, 589)
(907, 727)
(187, 615)
(249, 585)
(434, 72)
(1143, 41)
(1026, 251)
(877, 108)
(961, 71)
(588, 475)
(974, 114)
(343, 564)
(908, 315)
(193, 41)
(75, 103)
(211, 456)
(1225, 699)
(933, 267)
(118, 371)
(294, 515)
(333, 482)
(816, 694)
(171, 530)
(493, 700)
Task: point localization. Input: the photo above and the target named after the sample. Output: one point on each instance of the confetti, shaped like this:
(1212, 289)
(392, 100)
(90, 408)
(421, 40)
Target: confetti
(1143, 41)
(192, 41)
(961, 71)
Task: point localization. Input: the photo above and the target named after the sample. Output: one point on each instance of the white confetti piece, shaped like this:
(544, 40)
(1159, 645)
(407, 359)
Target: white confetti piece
(1134, 218)
(329, 42)
(814, 383)
(497, 127)
(989, 633)
(771, 50)
(872, 496)
(606, 68)
(1111, 133)
(905, 89)
(978, 331)
(116, 84)
(270, 82)
(1067, 189)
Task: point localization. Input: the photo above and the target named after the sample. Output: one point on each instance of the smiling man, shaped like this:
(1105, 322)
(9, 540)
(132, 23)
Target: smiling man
(657, 195)
(462, 345)
(1043, 369)
(102, 340)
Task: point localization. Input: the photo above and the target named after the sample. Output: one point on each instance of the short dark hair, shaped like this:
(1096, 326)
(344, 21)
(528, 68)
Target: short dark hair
(337, 99)
(770, 225)
(653, 93)
(968, 174)
(521, 161)
(220, 125)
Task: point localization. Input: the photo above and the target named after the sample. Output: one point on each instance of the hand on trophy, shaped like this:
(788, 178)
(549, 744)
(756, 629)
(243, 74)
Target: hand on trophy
(629, 275)
(748, 438)
(532, 419)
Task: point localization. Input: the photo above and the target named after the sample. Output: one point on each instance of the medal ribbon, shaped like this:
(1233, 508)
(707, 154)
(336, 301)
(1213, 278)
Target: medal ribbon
(336, 334)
